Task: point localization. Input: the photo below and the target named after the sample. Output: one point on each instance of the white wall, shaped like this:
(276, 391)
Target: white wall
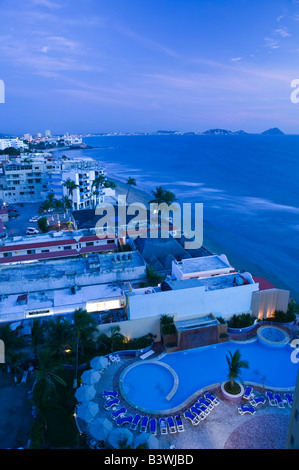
(192, 301)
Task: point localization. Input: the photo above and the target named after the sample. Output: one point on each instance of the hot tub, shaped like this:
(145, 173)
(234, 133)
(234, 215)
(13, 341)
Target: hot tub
(273, 336)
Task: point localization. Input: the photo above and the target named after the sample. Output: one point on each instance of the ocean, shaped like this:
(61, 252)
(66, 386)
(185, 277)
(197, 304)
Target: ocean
(248, 185)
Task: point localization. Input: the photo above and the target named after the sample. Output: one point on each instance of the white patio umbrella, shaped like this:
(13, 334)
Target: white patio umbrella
(85, 393)
(100, 428)
(99, 362)
(120, 438)
(90, 377)
(87, 411)
(146, 439)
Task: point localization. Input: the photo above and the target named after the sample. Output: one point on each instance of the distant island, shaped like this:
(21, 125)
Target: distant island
(273, 131)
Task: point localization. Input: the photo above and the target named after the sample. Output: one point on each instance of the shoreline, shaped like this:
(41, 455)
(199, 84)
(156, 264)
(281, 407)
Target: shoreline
(211, 239)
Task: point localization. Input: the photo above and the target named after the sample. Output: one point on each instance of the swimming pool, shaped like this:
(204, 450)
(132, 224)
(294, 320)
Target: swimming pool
(147, 385)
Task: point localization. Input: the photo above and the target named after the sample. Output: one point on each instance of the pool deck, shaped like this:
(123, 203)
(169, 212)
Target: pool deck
(223, 428)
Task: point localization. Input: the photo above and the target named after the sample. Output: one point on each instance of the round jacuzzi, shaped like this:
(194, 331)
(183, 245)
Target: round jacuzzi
(273, 336)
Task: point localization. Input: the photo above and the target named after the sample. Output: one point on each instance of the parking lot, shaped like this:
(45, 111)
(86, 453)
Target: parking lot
(18, 226)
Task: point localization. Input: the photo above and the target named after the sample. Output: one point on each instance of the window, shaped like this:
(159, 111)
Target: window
(67, 247)
(89, 244)
(9, 253)
(30, 252)
(45, 251)
(110, 241)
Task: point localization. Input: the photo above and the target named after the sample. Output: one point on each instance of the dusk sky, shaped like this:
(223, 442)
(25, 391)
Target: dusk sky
(143, 65)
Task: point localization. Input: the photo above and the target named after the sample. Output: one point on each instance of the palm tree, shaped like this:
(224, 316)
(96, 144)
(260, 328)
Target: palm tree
(37, 333)
(59, 335)
(70, 186)
(46, 378)
(67, 203)
(162, 195)
(235, 364)
(109, 184)
(152, 277)
(115, 337)
(130, 182)
(14, 360)
(84, 327)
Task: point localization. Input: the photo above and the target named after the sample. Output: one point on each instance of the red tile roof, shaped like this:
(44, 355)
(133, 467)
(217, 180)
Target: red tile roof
(29, 246)
(38, 256)
(263, 283)
(94, 238)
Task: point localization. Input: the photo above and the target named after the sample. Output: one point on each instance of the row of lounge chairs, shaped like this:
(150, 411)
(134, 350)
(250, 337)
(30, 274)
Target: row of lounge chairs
(274, 399)
(201, 408)
(146, 424)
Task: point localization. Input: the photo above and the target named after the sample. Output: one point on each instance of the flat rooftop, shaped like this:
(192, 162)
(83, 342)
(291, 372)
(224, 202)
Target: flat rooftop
(36, 273)
(202, 264)
(209, 283)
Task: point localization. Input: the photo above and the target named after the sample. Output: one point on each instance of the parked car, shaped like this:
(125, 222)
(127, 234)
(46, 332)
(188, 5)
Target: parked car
(34, 219)
(32, 231)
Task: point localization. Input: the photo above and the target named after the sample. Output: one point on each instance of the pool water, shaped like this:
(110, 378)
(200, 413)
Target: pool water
(273, 334)
(149, 384)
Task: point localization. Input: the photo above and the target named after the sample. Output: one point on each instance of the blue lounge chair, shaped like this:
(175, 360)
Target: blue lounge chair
(135, 422)
(248, 393)
(258, 401)
(280, 402)
(194, 419)
(107, 394)
(203, 408)
(171, 425)
(124, 420)
(246, 409)
(179, 423)
(111, 403)
(214, 400)
(206, 403)
(144, 424)
(198, 412)
(119, 413)
(289, 399)
(271, 399)
(153, 426)
(163, 426)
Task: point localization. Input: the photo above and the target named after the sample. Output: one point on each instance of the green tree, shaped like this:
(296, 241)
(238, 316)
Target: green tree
(152, 277)
(84, 327)
(45, 377)
(70, 186)
(130, 182)
(59, 335)
(235, 365)
(162, 195)
(37, 335)
(42, 224)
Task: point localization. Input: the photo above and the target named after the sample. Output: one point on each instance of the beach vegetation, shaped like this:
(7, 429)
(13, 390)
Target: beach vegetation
(130, 182)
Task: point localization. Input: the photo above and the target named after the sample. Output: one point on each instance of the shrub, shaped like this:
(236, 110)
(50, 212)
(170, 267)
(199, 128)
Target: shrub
(282, 317)
(167, 325)
(241, 321)
(43, 224)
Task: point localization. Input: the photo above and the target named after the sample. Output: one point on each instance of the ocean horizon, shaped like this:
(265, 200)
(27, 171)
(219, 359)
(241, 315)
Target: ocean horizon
(247, 184)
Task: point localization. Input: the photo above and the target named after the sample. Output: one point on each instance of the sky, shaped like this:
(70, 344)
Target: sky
(97, 66)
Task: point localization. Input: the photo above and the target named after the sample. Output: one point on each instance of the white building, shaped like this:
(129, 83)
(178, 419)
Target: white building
(15, 143)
